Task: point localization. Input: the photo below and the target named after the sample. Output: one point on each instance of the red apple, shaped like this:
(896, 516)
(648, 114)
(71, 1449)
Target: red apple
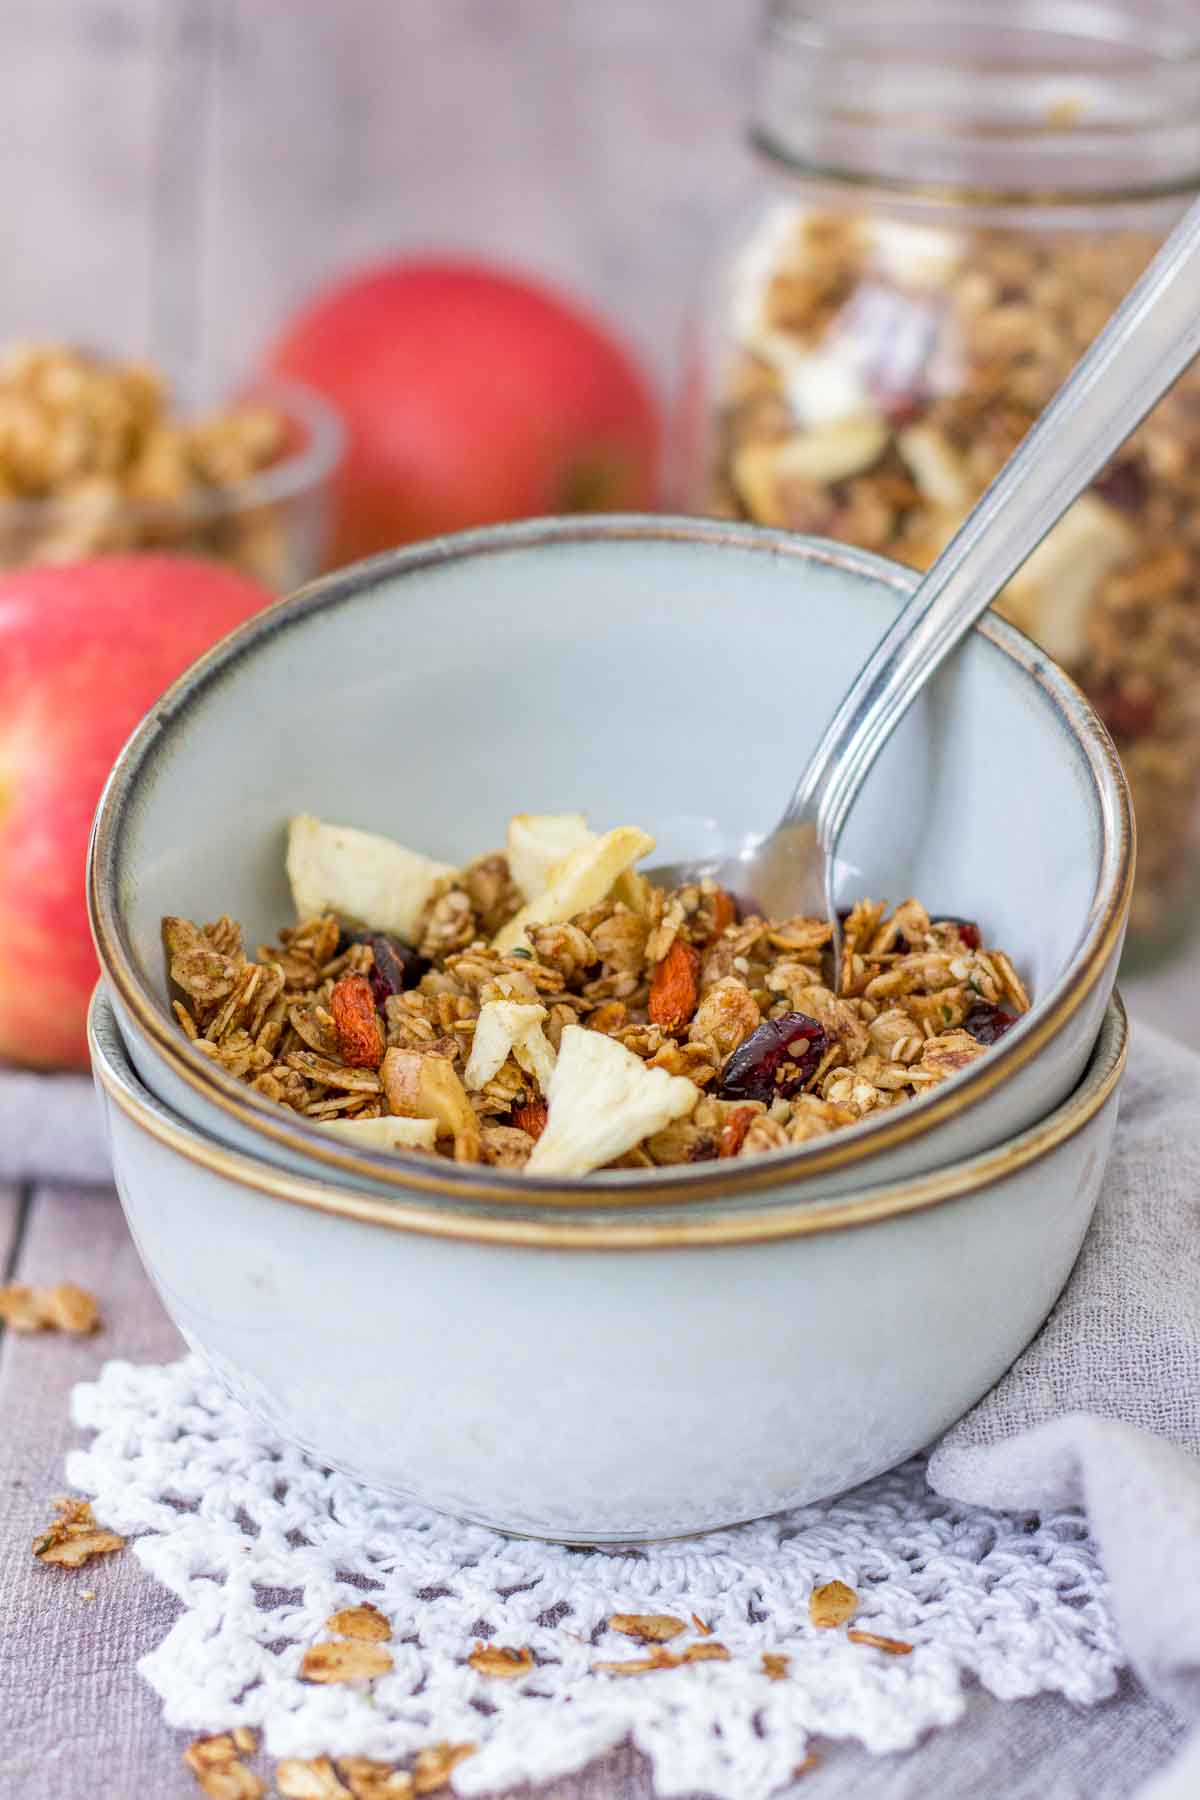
(469, 395)
(85, 649)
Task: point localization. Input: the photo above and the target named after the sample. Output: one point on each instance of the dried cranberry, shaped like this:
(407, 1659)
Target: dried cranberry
(776, 1060)
(1123, 486)
(968, 930)
(986, 1022)
(395, 965)
(1126, 715)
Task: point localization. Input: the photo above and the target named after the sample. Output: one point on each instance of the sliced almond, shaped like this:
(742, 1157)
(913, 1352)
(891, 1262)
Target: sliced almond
(329, 1664)
(364, 1622)
(648, 1628)
(421, 1086)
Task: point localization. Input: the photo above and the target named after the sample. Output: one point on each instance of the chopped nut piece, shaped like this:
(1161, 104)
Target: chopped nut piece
(531, 1116)
(775, 1667)
(352, 1661)
(733, 1132)
(62, 1308)
(893, 1646)
(245, 1740)
(365, 1622)
(500, 1660)
(427, 1087)
(74, 1537)
(215, 1764)
(359, 1034)
(312, 1778)
(648, 1628)
(832, 1604)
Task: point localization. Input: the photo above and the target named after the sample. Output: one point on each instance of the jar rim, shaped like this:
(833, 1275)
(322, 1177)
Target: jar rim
(1050, 104)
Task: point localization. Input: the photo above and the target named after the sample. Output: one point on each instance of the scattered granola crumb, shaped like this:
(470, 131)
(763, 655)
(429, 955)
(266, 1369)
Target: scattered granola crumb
(500, 1660)
(811, 1762)
(245, 1740)
(832, 1604)
(74, 1537)
(215, 1764)
(701, 1627)
(351, 1661)
(893, 1646)
(432, 1768)
(648, 1628)
(709, 1651)
(62, 1308)
(88, 1594)
(370, 1780)
(364, 1622)
(309, 1778)
(775, 1666)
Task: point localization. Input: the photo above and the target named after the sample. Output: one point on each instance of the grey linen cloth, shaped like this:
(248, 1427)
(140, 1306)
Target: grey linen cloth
(1103, 1409)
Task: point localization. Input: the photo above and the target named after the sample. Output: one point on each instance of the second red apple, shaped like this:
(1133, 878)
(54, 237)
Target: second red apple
(470, 395)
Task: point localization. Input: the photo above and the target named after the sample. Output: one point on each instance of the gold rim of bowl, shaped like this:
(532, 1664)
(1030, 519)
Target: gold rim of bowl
(577, 1231)
(254, 1112)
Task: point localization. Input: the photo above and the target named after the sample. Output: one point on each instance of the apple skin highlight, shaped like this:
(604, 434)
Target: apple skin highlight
(470, 395)
(85, 649)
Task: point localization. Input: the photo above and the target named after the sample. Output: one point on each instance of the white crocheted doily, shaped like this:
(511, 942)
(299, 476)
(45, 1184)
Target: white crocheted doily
(261, 1546)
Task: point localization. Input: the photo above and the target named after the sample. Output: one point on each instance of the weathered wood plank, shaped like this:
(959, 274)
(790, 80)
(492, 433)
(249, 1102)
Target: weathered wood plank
(74, 1705)
(10, 1214)
(77, 90)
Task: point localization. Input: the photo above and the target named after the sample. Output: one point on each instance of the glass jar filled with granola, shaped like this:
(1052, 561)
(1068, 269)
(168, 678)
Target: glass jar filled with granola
(953, 199)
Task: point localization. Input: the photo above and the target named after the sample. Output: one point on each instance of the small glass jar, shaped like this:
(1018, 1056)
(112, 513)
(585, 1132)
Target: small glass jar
(952, 201)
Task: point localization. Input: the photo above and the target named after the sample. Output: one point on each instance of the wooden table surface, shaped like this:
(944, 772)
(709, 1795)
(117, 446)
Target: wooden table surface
(76, 1720)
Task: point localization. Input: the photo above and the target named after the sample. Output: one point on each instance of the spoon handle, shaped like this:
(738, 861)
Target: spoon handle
(1146, 345)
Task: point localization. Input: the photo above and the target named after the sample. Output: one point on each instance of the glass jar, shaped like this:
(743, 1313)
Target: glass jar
(951, 202)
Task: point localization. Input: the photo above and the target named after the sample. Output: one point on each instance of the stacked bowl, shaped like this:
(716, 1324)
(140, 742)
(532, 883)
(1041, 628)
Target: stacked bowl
(636, 1353)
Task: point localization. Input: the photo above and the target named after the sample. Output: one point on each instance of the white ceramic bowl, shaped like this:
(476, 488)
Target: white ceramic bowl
(608, 1374)
(668, 673)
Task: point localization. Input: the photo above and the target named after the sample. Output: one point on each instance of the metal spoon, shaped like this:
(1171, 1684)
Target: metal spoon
(1147, 344)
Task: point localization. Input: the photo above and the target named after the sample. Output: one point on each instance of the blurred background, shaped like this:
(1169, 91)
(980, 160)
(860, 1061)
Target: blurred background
(191, 188)
(176, 174)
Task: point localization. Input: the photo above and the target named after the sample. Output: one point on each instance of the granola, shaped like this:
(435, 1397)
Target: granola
(92, 459)
(882, 371)
(648, 1029)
